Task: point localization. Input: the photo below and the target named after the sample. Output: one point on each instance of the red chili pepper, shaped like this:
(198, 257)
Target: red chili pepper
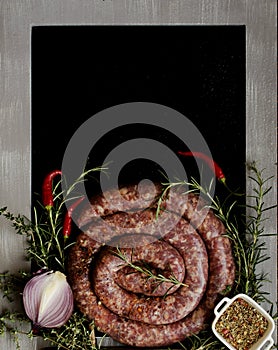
(47, 194)
(210, 162)
(68, 218)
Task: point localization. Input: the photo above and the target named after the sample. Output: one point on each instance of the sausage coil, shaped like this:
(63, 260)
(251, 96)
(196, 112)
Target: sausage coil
(136, 309)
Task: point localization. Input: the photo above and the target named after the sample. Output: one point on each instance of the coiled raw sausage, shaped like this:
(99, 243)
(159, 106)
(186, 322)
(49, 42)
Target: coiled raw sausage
(125, 304)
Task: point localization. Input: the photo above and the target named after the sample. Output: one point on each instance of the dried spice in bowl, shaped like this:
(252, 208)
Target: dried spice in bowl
(241, 325)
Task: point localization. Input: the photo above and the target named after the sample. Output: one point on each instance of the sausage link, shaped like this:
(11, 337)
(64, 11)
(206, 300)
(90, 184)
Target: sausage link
(104, 292)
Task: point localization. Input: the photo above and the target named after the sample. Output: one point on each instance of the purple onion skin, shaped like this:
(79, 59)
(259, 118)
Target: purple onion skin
(48, 300)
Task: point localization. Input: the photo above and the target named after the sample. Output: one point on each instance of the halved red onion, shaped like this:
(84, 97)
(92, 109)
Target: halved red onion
(48, 300)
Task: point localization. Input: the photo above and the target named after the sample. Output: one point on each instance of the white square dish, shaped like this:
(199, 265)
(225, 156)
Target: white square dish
(224, 313)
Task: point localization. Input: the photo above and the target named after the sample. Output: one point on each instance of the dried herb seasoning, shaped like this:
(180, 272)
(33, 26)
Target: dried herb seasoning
(241, 325)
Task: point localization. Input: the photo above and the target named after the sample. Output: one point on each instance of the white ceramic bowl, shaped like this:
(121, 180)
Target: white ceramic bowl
(265, 342)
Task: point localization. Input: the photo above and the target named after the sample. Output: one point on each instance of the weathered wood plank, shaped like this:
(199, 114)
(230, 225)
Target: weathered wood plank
(16, 19)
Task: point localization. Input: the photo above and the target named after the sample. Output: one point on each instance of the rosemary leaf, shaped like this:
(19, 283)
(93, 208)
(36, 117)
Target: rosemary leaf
(147, 271)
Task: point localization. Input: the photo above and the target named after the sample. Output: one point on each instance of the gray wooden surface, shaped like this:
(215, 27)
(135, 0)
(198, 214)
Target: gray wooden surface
(16, 20)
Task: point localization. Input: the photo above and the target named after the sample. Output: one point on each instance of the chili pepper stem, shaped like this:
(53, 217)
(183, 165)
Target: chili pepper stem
(213, 166)
(223, 180)
(210, 162)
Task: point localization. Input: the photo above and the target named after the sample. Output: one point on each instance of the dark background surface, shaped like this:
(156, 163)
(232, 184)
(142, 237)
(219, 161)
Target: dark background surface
(78, 71)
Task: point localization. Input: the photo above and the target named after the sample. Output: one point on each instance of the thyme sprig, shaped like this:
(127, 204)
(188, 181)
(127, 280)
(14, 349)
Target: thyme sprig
(147, 270)
(13, 322)
(76, 334)
(12, 284)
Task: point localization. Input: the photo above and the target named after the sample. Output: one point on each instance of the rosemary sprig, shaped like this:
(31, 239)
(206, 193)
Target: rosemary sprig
(249, 249)
(147, 271)
(254, 231)
(203, 341)
(46, 246)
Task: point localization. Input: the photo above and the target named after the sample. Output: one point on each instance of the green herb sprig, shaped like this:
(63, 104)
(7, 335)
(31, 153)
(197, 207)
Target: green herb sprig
(12, 284)
(46, 246)
(147, 271)
(203, 341)
(76, 334)
(249, 249)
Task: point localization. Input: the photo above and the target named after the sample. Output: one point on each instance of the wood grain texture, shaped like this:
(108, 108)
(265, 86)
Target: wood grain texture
(261, 112)
(16, 20)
